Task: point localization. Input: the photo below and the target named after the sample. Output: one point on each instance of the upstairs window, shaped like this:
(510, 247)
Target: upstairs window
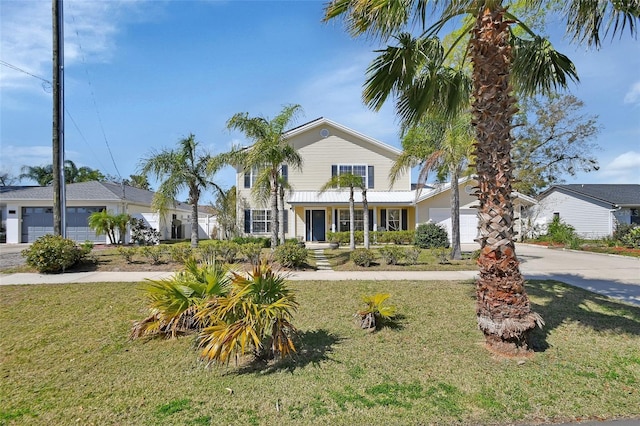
(366, 172)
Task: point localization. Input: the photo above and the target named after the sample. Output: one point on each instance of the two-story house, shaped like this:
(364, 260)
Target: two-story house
(327, 149)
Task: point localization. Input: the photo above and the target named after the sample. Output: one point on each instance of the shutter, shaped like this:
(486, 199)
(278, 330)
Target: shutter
(335, 219)
(284, 172)
(334, 170)
(405, 216)
(383, 218)
(370, 219)
(247, 221)
(370, 177)
(286, 221)
(247, 179)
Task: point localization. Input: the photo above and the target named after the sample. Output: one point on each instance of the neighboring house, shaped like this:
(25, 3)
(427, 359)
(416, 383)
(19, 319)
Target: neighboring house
(28, 213)
(592, 209)
(328, 148)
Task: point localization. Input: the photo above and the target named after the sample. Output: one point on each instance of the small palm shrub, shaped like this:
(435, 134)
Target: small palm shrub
(255, 316)
(632, 238)
(622, 229)
(53, 253)
(362, 257)
(391, 254)
(431, 235)
(291, 255)
(127, 253)
(411, 255)
(375, 312)
(174, 302)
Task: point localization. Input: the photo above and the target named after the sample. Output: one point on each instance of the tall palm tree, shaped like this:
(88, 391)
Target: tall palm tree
(178, 169)
(495, 50)
(43, 175)
(270, 150)
(444, 146)
(351, 181)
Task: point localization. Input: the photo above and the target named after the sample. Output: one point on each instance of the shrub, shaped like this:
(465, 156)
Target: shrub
(173, 302)
(180, 252)
(264, 242)
(562, 233)
(127, 253)
(227, 250)
(143, 234)
(251, 252)
(411, 255)
(391, 254)
(153, 253)
(375, 311)
(291, 255)
(53, 253)
(431, 235)
(632, 238)
(207, 251)
(362, 257)
(256, 314)
(622, 229)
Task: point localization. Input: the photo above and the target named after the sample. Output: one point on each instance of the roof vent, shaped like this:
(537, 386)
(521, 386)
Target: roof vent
(324, 133)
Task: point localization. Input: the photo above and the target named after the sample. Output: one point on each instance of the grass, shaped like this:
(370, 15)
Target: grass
(66, 358)
(429, 260)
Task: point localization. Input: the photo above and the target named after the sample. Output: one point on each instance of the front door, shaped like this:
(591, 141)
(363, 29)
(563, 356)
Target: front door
(315, 225)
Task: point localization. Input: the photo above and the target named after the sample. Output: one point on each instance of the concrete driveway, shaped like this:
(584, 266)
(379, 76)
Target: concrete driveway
(614, 276)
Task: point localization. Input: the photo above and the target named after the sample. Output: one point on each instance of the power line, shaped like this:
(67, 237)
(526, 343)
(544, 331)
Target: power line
(95, 103)
(46, 84)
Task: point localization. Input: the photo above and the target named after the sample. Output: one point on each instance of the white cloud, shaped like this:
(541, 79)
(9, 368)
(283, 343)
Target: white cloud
(623, 169)
(90, 28)
(633, 95)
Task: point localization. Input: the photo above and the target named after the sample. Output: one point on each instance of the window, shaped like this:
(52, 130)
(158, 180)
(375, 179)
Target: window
(250, 177)
(393, 220)
(343, 220)
(356, 169)
(260, 221)
(635, 216)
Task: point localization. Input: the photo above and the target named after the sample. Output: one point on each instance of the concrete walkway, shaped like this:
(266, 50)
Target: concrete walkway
(614, 276)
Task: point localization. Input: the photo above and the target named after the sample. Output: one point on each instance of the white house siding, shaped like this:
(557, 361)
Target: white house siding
(590, 218)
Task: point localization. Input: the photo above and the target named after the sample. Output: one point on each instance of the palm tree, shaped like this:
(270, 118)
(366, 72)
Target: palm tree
(270, 150)
(351, 181)
(444, 146)
(182, 168)
(503, 309)
(43, 175)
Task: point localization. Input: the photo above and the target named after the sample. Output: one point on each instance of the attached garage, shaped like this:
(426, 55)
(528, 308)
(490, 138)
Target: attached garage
(38, 221)
(468, 222)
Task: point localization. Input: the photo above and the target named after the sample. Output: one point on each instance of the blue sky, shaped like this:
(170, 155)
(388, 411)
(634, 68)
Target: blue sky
(140, 75)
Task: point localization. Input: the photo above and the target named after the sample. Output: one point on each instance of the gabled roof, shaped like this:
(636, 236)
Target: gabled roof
(318, 122)
(88, 191)
(623, 195)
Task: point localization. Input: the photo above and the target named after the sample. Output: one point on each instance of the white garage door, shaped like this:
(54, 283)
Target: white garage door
(468, 222)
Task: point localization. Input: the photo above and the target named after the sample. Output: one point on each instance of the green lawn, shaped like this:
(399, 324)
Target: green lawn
(65, 358)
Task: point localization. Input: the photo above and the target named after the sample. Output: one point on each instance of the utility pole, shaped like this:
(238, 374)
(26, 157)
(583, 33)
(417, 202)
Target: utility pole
(59, 198)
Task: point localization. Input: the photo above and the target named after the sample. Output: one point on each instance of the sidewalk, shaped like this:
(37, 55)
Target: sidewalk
(89, 277)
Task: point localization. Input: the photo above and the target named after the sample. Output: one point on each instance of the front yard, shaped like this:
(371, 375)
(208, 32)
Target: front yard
(66, 359)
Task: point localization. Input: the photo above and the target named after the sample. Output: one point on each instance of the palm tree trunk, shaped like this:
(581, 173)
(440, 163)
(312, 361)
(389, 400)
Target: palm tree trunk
(274, 212)
(365, 208)
(352, 221)
(281, 214)
(503, 310)
(194, 197)
(456, 252)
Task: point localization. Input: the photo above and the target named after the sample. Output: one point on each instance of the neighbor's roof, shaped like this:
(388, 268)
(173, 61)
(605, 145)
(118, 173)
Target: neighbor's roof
(342, 197)
(88, 191)
(624, 195)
